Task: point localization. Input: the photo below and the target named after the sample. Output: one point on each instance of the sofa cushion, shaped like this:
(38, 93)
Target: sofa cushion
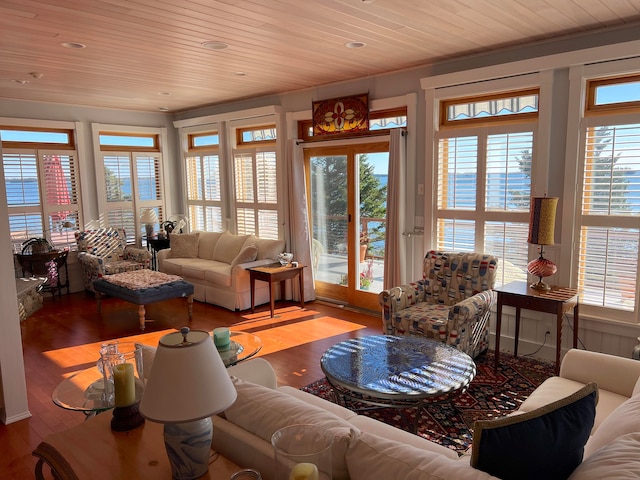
(262, 411)
(207, 243)
(619, 459)
(184, 245)
(228, 247)
(247, 254)
(624, 419)
(543, 443)
(374, 457)
(269, 248)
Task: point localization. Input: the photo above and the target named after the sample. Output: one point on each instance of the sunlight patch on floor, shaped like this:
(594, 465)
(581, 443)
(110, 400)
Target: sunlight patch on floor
(299, 333)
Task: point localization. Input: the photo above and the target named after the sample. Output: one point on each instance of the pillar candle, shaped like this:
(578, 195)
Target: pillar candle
(221, 338)
(124, 384)
(304, 471)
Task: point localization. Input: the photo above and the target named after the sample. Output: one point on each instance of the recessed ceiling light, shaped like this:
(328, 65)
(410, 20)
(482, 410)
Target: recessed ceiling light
(21, 82)
(355, 44)
(366, 2)
(215, 45)
(164, 94)
(163, 109)
(73, 45)
(37, 74)
(240, 74)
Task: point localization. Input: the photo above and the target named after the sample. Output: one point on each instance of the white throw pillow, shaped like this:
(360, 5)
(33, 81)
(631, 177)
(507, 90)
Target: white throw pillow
(624, 419)
(263, 411)
(207, 243)
(247, 254)
(228, 247)
(269, 248)
(184, 245)
(372, 457)
(620, 460)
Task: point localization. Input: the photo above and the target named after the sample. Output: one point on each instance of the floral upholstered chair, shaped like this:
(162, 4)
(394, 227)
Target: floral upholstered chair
(105, 251)
(452, 303)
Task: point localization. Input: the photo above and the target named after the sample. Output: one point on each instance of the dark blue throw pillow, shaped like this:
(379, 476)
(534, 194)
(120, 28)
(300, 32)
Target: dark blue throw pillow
(545, 443)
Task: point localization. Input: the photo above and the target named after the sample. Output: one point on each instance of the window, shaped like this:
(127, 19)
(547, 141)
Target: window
(256, 193)
(41, 181)
(204, 182)
(132, 180)
(610, 196)
(484, 178)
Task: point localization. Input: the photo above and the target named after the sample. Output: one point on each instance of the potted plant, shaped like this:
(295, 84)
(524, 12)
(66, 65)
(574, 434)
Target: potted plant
(364, 243)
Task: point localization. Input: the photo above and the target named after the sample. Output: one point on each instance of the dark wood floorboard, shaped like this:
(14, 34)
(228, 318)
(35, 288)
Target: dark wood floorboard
(64, 336)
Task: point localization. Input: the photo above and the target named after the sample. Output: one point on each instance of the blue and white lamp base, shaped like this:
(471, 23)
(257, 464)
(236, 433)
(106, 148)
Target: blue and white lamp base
(189, 447)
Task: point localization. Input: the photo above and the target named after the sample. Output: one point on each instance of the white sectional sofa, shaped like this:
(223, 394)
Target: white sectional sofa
(215, 263)
(366, 449)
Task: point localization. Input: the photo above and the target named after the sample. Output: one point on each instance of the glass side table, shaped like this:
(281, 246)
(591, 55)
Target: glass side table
(243, 346)
(83, 392)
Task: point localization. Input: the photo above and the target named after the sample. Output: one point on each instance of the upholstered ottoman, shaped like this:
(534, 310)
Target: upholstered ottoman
(142, 287)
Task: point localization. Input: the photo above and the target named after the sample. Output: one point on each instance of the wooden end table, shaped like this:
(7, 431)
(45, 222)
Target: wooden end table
(272, 274)
(93, 450)
(558, 300)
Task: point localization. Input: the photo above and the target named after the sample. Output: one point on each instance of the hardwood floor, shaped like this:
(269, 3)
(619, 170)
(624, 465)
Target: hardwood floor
(64, 336)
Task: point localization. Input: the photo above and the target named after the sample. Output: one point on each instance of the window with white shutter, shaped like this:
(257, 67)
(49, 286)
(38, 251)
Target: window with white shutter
(42, 185)
(204, 182)
(133, 181)
(256, 192)
(609, 226)
(484, 160)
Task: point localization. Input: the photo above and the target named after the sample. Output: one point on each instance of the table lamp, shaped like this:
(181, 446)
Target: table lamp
(188, 383)
(149, 218)
(542, 220)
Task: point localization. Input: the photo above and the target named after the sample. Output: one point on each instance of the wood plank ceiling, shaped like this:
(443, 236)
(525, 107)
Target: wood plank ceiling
(146, 54)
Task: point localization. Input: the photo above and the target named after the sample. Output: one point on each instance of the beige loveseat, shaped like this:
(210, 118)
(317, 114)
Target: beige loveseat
(366, 449)
(215, 263)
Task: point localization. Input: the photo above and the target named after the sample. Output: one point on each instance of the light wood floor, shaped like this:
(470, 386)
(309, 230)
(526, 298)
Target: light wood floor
(65, 334)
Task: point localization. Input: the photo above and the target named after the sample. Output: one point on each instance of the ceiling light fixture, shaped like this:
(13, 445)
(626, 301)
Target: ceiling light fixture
(37, 74)
(240, 74)
(355, 44)
(164, 94)
(21, 82)
(163, 109)
(73, 45)
(213, 45)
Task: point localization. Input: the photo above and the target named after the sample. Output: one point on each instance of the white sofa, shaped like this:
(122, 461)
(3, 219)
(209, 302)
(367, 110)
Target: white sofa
(366, 449)
(216, 262)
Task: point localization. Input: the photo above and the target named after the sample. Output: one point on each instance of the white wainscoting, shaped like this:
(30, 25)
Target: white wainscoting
(593, 334)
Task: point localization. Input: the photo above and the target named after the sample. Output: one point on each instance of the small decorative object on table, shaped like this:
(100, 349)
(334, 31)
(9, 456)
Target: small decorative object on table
(541, 232)
(221, 338)
(302, 452)
(246, 474)
(285, 258)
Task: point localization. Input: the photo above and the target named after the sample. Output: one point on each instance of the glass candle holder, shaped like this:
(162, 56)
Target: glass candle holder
(122, 372)
(302, 452)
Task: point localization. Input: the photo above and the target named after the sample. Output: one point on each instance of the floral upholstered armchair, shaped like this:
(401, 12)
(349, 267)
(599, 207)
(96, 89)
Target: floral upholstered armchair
(105, 251)
(452, 303)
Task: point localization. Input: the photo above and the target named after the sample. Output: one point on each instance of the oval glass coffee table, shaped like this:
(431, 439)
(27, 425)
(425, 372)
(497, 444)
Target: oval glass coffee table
(384, 371)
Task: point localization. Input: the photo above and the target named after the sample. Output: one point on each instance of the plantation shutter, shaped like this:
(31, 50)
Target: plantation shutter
(610, 231)
(23, 195)
(256, 193)
(204, 192)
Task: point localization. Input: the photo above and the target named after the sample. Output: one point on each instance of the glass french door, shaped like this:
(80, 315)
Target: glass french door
(347, 188)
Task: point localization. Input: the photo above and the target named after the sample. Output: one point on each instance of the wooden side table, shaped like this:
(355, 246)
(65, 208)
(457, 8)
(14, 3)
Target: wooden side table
(93, 450)
(272, 274)
(558, 300)
(157, 244)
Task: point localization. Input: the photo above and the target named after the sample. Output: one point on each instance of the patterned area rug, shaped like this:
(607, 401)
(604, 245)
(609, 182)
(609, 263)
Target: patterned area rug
(491, 394)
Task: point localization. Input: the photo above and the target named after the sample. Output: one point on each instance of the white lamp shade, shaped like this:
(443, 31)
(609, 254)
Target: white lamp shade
(149, 216)
(188, 380)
